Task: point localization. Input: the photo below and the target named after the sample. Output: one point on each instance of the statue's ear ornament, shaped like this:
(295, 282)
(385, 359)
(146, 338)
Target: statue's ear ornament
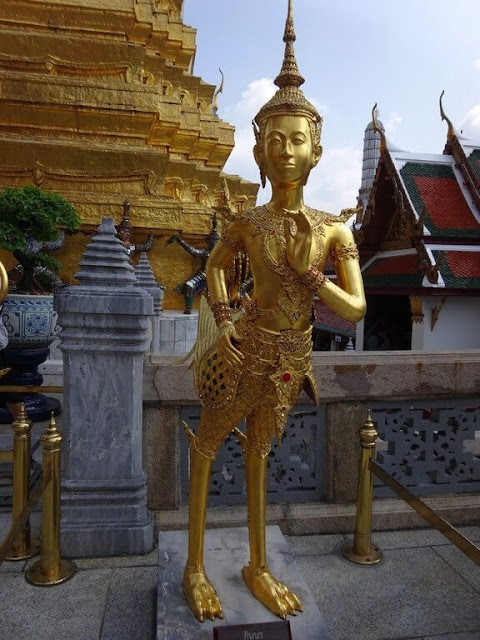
(263, 178)
(256, 132)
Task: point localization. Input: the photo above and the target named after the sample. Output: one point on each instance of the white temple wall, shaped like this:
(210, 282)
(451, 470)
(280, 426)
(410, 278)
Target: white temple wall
(457, 326)
(418, 333)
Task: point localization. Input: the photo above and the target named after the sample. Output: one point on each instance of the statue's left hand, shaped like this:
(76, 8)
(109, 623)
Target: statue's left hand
(227, 339)
(298, 238)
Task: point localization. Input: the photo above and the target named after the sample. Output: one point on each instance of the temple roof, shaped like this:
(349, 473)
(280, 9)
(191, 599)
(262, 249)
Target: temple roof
(435, 189)
(328, 320)
(459, 269)
(421, 227)
(399, 271)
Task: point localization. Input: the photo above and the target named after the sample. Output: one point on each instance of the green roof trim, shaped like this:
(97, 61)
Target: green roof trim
(474, 162)
(399, 281)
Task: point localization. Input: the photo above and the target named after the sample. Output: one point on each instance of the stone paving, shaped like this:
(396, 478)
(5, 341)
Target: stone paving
(424, 589)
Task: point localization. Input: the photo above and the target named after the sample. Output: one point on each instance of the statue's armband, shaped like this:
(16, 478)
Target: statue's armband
(342, 252)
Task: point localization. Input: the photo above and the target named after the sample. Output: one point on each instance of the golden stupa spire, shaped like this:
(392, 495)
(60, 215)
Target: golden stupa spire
(289, 75)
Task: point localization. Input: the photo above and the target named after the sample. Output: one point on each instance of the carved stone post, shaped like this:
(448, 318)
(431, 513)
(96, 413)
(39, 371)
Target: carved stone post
(146, 280)
(105, 332)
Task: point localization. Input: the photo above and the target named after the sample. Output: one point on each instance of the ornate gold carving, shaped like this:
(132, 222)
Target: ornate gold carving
(185, 97)
(419, 224)
(141, 182)
(402, 226)
(241, 202)
(173, 7)
(66, 91)
(416, 309)
(175, 188)
(430, 270)
(435, 314)
(167, 88)
(56, 67)
(200, 193)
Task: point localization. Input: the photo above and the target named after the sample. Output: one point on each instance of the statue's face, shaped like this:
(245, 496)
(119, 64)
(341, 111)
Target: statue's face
(288, 155)
(124, 234)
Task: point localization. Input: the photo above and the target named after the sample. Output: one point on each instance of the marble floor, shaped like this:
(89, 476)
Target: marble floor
(424, 589)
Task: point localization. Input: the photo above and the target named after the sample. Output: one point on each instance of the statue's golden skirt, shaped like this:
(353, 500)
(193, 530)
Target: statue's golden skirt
(262, 390)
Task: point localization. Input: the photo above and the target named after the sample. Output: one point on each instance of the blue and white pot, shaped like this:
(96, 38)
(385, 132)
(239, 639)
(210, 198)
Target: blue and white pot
(31, 323)
(30, 320)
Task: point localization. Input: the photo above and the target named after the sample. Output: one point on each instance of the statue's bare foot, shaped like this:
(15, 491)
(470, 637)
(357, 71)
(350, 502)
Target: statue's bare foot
(272, 593)
(200, 595)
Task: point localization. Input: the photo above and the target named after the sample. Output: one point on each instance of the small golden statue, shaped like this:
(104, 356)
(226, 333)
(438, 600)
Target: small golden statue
(259, 358)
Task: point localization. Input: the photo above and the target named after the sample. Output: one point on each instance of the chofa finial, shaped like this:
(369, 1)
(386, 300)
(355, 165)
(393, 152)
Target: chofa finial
(451, 129)
(378, 129)
(216, 94)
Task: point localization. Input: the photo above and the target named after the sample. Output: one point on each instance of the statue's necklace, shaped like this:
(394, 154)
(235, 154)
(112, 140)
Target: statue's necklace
(294, 299)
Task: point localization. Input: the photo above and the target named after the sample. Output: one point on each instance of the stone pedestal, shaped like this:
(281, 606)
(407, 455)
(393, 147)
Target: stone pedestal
(105, 332)
(178, 331)
(226, 552)
(146, 280)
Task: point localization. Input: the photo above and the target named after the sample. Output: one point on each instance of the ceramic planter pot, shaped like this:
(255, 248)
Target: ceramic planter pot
(31, 323)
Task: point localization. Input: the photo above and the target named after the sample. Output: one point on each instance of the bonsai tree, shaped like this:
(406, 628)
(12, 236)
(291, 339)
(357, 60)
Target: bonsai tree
(32, 222)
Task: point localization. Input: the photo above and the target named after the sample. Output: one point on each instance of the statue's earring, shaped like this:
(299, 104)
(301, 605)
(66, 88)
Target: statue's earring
(262, 176)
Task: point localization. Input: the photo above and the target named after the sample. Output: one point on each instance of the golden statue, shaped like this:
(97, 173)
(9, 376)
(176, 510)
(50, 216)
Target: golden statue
(260, 358)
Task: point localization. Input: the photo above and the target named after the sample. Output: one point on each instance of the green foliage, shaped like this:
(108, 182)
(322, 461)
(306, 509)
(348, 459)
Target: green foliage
(45, 260)
(29, 212)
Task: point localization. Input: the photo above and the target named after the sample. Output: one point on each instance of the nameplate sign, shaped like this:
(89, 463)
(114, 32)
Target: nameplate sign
(262, 631)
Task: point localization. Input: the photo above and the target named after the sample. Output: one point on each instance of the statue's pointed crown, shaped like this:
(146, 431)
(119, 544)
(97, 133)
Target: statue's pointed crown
(289, 99)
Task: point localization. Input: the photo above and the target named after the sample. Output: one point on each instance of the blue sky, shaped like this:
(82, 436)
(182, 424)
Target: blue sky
(352, 54)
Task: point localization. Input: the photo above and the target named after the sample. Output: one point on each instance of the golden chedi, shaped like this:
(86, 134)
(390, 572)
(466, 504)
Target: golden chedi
(99, 102)
(260, 358)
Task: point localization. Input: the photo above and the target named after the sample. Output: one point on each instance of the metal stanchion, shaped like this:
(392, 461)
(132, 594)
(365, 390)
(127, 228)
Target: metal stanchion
(51, 568)
(23, 547)
(360, 550)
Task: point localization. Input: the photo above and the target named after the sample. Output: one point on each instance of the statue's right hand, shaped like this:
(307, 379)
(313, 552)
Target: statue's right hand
(228, 336)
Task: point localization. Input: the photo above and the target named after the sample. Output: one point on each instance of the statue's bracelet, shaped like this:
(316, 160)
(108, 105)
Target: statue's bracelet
(314, 279)
(221, 311)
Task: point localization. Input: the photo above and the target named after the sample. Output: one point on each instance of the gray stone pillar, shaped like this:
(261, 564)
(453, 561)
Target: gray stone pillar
(105, 332)
(146, 280)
